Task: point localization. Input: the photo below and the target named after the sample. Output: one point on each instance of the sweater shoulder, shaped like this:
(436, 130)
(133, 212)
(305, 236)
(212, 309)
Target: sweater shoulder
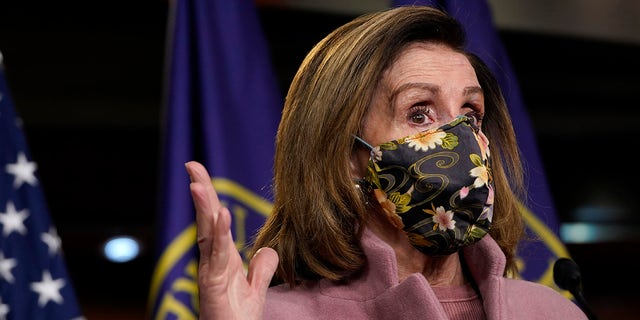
(284, 302)
(533, 300)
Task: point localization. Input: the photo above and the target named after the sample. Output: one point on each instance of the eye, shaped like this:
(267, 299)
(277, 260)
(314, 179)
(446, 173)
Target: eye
(476, 116)
(420, 115)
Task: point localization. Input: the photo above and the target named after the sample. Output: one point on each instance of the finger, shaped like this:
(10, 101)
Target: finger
(198, 173)
(205, 220)
(262, 268)
(206, 209)
(223, 246)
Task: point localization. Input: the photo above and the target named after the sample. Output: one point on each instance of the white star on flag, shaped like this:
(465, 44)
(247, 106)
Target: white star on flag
(13, 220)
(23, 170)
(30, 248)
(52, 240)
(48, 289)
(5, 268)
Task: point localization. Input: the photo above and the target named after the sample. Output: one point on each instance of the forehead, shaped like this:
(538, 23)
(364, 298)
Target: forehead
(430, 62)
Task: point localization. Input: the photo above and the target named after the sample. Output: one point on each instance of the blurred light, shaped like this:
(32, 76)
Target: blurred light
(577, 233)
(121, 249)
(599, 213)
(581, 233)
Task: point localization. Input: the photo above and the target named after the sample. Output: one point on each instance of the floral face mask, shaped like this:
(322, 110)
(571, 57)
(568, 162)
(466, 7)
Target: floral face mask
(436, 185)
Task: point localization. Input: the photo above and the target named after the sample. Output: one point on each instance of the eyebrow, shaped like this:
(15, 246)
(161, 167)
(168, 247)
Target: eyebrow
(420, 85)
(467, 91)
(472, 90)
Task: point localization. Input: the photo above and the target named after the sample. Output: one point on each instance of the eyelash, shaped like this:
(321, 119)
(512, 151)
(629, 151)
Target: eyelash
(478, 116)
(423, 110)
(419, 110)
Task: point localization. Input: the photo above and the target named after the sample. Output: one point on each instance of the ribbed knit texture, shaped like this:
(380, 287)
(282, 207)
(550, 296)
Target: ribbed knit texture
(460, 302)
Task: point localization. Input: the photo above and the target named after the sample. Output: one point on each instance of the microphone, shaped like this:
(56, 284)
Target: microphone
(566, 275)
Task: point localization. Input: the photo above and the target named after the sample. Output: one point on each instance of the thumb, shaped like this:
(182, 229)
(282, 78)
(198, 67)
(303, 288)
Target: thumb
(262, 268)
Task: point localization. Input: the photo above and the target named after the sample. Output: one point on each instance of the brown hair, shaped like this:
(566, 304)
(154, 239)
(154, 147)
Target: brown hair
(507, 226)
(318, 215)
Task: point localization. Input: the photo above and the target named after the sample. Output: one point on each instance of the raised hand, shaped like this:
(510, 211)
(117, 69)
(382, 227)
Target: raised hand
(225, 291)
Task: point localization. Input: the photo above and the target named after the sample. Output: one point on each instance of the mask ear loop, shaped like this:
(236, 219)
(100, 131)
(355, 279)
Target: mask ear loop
(364, 143)
(362, 184)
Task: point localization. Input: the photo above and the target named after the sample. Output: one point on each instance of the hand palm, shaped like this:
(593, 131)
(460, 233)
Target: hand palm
(225, 291)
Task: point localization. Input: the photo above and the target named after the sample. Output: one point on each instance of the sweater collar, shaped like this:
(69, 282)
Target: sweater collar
(485, 260)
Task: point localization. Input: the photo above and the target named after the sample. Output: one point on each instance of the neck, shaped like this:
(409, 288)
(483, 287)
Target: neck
(439, 271)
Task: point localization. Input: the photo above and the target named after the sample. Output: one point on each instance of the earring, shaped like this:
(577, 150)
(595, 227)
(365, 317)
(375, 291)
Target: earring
(362, 185)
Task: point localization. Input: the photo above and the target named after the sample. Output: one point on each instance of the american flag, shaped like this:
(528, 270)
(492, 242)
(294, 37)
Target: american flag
(34, 282)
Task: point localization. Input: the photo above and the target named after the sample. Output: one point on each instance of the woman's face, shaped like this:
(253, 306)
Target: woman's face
(427, 86)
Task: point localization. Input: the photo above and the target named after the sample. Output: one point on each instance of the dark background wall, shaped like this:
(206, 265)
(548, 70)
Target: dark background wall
(86, 79)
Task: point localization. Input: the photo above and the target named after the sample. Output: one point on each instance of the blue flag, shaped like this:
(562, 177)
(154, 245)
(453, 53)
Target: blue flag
(34, 282)
(537, 258)
(222, 108)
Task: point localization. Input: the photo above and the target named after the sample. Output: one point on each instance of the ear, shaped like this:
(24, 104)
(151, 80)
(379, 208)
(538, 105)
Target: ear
(358, 162)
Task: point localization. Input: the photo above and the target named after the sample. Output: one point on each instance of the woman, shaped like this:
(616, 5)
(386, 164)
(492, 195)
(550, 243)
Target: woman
(394, 151)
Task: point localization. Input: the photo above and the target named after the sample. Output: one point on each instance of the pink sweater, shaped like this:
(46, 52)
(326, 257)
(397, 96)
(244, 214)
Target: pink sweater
(376, 294)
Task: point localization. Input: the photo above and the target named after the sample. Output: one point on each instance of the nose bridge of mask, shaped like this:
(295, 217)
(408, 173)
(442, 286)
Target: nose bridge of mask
(454, 122)
(462, 129)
